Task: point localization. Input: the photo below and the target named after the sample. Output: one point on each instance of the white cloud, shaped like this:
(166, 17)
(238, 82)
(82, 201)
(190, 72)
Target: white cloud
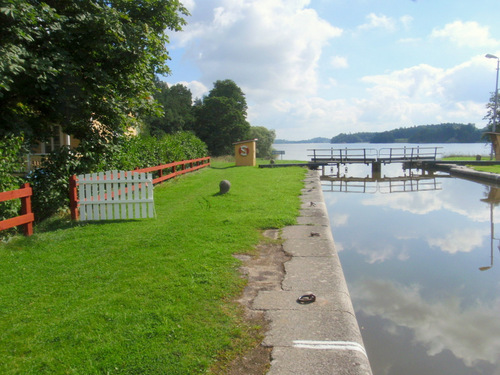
(430, 201)
(421, 94)
(198, 89)
(189, 4)
(470, 331)
(339, 247)
(466, 34)
(306, 117)
(339, 62)
(378, 22)
(462, 240)
(340, 220)
(417, 82)
(378, 253)
(418, 204)
(406, 21)
(273, 50)
(265, 46)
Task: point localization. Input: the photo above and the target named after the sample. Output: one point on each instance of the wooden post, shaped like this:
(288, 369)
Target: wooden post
(73, 198)
(26, 210)
(376, 169)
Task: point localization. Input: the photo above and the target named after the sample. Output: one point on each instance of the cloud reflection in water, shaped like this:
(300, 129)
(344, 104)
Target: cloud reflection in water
(471, 334)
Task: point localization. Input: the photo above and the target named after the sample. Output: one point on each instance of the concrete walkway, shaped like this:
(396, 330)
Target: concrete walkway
(321, 337)
(462, 171)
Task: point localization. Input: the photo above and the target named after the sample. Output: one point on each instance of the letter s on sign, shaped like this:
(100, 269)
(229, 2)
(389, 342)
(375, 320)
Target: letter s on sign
(244, 150)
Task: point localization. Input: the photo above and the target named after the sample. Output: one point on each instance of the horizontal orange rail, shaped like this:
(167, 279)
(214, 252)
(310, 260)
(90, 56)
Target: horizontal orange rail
(193, 164)
(26, 217)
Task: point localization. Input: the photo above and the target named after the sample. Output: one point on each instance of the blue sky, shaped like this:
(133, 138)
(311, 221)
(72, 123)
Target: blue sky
(317, 68)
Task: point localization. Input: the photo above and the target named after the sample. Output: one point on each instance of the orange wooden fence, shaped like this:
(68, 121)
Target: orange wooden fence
(185, 167)
(27, 217)
(165, 172)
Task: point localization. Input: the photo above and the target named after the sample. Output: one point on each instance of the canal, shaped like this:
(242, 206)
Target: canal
(422, 261)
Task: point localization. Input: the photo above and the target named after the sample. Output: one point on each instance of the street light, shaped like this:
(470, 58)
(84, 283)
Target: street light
(490, 56)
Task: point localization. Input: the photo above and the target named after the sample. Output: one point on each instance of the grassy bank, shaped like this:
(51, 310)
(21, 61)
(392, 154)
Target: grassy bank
(487, 168)
(147, 296)
(481, 168)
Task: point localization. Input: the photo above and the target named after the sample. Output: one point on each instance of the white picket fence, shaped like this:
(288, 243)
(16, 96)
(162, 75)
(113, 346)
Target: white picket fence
(115, 195)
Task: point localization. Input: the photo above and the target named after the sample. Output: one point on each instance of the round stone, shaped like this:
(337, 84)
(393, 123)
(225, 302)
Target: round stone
(224, 186)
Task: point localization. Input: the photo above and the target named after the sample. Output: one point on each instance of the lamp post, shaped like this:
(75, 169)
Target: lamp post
(490, 56)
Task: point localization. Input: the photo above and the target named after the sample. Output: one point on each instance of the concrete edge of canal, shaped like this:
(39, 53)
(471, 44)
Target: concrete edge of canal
(468, 173)
(321, 337)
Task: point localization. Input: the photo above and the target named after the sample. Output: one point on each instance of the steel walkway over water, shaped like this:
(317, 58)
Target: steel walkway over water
(323, 157)
(372, 155)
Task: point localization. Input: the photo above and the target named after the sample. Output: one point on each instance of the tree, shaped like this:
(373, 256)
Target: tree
(221, 118)
(176, 103)
(229, 89)
(265, 141)
(385, 137)
(219, 124)
(70, 62)
(491, 117)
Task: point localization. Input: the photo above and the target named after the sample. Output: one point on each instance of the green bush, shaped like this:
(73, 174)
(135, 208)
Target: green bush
(11, 148)
(150, 151)
(51, 182)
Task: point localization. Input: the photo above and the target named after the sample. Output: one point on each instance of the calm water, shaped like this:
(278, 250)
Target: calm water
(422, 261)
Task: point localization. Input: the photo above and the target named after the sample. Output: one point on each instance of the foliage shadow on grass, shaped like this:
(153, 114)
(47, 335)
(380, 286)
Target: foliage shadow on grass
(223, 167)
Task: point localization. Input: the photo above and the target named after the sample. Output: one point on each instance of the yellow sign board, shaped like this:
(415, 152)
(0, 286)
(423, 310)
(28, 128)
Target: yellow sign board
(245, 153)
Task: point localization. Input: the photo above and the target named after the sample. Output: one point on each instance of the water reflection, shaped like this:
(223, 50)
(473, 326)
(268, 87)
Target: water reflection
(414, 266)
(384, 185)
(493, 200)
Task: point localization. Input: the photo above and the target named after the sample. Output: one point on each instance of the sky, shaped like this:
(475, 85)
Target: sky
(318, 68)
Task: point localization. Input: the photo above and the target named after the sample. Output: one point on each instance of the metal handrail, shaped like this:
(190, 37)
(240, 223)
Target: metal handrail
(408, 153)
(342, 155)
(367, 155)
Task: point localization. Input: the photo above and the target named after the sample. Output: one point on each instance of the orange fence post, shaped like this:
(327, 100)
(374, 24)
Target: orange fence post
(26, 210)
(26, 218)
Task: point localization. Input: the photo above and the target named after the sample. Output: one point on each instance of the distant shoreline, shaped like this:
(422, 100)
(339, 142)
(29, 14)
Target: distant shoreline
(442, 133)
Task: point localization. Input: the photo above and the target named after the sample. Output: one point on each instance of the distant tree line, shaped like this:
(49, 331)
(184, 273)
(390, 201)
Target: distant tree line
(312, 140)
(442, 133)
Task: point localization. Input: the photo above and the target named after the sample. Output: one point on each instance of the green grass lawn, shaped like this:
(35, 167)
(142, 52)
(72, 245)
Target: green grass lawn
(151, 296)
(487, 168)
(465, 158)
(481, 168)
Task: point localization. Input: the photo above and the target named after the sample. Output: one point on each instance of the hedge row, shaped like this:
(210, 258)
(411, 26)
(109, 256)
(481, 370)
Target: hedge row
(11, 149)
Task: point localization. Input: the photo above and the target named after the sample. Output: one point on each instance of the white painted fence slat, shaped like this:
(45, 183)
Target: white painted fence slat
(115, 195)
(109, 192)
(88, 193)
(122, 193)
(102, 195)
(137, 196)
(144, 192)
(130, 197)
(151, 207)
